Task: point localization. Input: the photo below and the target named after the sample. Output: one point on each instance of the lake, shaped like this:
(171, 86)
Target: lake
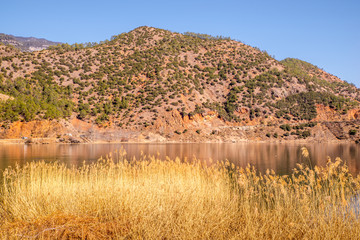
(281, 157)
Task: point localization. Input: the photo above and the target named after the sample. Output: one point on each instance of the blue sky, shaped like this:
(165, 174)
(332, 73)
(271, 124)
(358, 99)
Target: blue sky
(324, 33)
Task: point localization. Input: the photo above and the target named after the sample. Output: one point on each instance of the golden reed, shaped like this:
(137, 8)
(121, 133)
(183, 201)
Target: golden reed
(117, 198)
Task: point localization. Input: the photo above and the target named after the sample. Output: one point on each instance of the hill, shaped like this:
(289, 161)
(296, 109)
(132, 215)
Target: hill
(153, 84)
(26, 44)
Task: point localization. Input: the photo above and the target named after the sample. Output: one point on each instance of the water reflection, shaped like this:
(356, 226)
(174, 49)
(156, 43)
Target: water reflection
(280, 157)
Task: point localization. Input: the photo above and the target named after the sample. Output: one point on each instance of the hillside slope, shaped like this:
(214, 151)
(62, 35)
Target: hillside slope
(191, 87)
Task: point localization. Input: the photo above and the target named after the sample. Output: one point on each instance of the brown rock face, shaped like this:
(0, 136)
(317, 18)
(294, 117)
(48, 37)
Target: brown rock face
(82, 125)
(325, 114)
(354, 114)
(37, 129)
(241, 111)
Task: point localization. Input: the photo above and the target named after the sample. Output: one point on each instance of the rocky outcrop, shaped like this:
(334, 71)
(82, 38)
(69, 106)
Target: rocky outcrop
(354, 114)
(197, 128)
(336, 129)
(33, 129)
(326, 114)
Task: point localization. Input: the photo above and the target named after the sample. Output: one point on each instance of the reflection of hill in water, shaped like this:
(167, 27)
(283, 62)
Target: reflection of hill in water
(280, 157)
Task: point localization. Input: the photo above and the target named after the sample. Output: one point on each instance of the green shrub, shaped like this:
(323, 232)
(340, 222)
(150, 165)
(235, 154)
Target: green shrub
(352, 132)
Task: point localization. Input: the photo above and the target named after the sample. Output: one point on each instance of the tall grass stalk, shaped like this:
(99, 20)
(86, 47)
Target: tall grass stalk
(153, 199)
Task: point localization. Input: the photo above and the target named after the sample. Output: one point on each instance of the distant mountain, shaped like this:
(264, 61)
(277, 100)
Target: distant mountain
(26, 44)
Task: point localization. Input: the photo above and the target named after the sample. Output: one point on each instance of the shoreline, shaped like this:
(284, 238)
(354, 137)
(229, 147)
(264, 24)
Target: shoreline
(44, 141)
(79, 132)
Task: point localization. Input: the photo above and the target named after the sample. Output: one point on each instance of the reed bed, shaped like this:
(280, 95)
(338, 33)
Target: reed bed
(118, 198)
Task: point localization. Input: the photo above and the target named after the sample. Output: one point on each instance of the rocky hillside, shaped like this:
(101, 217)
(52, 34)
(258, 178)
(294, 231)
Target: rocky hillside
(26, 44)
(177, 86)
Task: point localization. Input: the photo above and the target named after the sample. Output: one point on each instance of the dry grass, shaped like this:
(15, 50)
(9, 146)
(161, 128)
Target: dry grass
(153, 199)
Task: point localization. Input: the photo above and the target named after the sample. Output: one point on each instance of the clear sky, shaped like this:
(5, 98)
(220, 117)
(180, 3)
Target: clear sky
(325, 33)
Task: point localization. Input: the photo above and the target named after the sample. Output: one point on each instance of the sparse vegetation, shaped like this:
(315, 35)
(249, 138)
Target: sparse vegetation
(150, 72)
(302, 106)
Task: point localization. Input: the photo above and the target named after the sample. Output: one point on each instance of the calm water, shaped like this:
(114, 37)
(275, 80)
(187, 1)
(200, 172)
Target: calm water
(280, 157)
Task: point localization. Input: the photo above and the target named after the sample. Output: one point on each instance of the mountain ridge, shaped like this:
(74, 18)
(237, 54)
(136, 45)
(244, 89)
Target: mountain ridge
(26, 44)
